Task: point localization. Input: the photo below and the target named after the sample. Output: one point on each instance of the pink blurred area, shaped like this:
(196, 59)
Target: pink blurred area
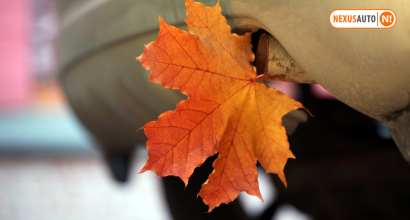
(16, 80)
(288, 88)
(293, 90)
(321, 92)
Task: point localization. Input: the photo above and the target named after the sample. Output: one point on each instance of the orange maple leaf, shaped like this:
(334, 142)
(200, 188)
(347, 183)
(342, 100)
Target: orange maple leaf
(227, 110)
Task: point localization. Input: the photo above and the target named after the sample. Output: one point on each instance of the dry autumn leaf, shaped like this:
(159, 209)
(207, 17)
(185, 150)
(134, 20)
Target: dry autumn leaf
(227, 110)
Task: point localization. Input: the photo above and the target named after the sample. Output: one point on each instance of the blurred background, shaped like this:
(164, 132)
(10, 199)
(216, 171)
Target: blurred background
(49, 164)
(62, 155)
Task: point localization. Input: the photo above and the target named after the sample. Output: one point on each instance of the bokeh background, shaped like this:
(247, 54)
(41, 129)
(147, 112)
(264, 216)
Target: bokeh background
(51, 167)
(49, 164)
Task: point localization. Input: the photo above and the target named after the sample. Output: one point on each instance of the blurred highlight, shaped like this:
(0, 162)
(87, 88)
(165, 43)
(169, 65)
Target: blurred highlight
(15, 68)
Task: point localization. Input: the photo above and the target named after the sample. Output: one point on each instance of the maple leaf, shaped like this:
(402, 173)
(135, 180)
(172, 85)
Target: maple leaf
(227, 110)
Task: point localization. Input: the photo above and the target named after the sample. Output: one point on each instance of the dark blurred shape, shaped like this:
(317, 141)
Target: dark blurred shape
(119, 164)
(185, 204)
(344, 169)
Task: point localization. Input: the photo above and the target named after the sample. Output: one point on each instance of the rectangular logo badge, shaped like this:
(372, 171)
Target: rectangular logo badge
(362, 18)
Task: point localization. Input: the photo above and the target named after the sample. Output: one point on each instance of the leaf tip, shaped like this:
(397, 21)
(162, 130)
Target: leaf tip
(257, 194)
(185, 182)
(283, 179)
(260, 197)
(308, 112)
(143, 170)
(291, 155)
(210, 209)
(138, 58)
(139, 129)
